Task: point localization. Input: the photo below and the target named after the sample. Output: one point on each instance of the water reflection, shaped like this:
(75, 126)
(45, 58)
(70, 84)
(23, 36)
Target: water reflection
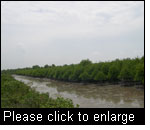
(89, 95)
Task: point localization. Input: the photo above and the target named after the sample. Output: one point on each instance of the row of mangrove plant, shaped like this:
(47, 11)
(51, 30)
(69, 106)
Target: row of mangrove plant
(125, 70)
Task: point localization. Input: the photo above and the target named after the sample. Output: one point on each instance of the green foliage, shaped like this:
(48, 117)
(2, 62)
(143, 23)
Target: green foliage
(84, 76)
(100, 76)
(125, 74)
(105, 68)
(140, 72)
(46, 66)
(35, 67)
(86, 71)
(85, 62)
(113, 73)
(15, 94)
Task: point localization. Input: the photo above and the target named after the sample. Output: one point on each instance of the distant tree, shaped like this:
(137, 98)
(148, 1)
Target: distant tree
(46, 66)
(85, 62)
(64, 65)
(113, 73)
(66, 75)
(76, 73)
(53, 65)
(84, 76)
(35, 66)
(105, 68)
(125, 73)
(94, 73)
(90, 69)
(100, 76)
(71, 77)
(140, 73)
(57, 73)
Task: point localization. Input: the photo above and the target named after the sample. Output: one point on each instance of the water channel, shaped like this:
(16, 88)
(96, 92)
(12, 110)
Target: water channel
(89, 95)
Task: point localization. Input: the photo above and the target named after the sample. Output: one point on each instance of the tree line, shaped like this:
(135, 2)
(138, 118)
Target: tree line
(125, 70)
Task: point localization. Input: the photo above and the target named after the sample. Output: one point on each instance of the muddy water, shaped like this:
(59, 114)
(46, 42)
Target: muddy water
(90, 95)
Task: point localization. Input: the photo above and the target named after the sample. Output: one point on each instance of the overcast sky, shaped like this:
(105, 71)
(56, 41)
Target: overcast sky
(67, 32)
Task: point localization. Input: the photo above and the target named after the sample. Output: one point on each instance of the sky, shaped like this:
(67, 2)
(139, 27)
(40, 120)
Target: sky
(55, 32)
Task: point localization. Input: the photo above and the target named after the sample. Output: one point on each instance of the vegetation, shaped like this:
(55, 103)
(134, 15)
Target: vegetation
(126, 70)
(15, 94)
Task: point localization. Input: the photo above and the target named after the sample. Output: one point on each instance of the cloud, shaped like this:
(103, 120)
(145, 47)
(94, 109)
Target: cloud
(83, 13)
(66, 32)
(76, 18)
